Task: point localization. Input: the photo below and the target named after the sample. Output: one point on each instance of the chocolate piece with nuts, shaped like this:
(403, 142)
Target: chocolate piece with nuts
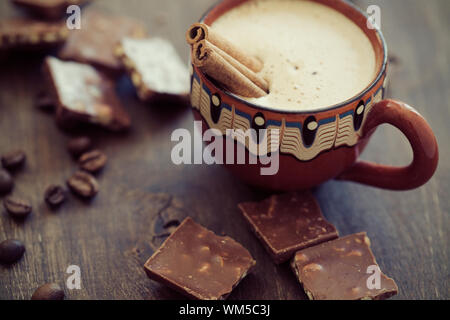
(287, 223)
(26, 34)
(93, 161)
(94, 43)
(196, 262)
(341, 270)
(154, 67)
(84, 95)
(49, 9)
(83, 184)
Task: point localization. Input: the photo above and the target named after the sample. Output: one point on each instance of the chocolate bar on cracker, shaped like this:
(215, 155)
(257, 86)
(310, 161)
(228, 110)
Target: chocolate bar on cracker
(83, 94)
(154, 67)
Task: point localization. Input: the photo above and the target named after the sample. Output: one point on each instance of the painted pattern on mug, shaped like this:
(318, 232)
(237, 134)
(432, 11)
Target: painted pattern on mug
(304, 140)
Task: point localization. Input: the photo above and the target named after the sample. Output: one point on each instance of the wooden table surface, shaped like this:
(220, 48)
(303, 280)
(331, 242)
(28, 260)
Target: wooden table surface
(111, 237)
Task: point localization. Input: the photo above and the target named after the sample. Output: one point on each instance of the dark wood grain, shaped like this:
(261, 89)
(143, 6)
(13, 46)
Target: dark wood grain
(111, 238)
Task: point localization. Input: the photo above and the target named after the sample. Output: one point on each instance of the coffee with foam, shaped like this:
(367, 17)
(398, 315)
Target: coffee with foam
(313, 55)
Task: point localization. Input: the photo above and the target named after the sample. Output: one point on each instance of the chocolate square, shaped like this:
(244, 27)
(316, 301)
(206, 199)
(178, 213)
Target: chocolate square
(196, 262)
(287, 223)
(338, 270)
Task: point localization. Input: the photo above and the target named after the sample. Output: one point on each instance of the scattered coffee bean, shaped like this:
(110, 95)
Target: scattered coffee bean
(17, 208)
(13, 160)
(11, 251)
(6, 182)
(79, 145)
(44, 102)
(83, 184)
(55, 196)
(93, 161)
(48, 291)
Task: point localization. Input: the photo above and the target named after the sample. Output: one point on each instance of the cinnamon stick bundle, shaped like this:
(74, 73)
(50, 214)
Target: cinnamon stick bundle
(225, 62)
(252, 76)
(209, 59)
(201, 31)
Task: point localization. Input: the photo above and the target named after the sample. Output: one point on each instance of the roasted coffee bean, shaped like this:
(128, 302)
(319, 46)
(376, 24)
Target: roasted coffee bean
(83, 184)
(79, 145)
(55, 196)
(48, 291)
(11, 251)
(93, 161)
(44, 102)
(13, 160)
(17, 208)
(6, 182)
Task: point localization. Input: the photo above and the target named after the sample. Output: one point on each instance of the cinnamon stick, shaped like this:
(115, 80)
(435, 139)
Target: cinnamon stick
(207, 58)
(252, 76)
(200, 31)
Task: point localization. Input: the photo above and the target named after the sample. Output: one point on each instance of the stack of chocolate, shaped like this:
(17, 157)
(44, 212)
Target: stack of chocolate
(80, 75)
(202, 265)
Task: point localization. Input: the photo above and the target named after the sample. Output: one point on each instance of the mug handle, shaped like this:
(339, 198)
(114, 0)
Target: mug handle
(419, 135)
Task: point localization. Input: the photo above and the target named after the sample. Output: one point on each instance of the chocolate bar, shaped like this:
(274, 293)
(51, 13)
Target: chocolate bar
(50, 9)
(95, 42)
(154, 67)
(287, 223)
(342, 269)
(83, 94)
(196, 262)
(23, 33)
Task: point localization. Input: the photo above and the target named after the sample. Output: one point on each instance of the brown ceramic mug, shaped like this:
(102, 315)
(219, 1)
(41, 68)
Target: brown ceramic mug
(310, 150)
